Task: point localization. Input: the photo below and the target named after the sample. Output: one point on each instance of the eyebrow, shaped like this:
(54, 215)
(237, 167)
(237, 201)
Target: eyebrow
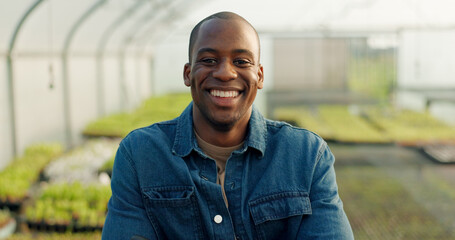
(246, 51)
(211, 50)
(204, 50)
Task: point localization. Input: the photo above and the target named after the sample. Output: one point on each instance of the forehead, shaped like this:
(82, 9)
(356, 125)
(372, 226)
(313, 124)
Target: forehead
(227, 34)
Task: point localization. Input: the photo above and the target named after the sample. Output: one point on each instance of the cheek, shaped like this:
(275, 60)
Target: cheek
(253, 80)
(199, 72)
(195, 80)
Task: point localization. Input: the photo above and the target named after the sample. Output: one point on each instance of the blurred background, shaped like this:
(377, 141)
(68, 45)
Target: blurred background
(376, 79)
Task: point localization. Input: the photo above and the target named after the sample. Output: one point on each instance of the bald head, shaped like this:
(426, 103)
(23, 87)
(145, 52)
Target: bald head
(220, 15)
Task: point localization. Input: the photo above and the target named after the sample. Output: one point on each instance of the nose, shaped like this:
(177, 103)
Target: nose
(225, 71)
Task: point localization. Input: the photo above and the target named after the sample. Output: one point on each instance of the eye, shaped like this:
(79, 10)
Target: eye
(209, 61)
(243, 62)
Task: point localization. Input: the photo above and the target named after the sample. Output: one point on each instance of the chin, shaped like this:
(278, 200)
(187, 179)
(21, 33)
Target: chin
(223, 125)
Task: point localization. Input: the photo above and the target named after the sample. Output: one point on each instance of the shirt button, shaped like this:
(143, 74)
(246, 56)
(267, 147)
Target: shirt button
(218, 219)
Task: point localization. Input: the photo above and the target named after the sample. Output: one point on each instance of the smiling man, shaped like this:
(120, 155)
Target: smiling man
(221, 170)
(224, 75)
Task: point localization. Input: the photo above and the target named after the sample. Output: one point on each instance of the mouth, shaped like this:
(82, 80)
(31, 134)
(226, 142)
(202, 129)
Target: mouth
(224, 94)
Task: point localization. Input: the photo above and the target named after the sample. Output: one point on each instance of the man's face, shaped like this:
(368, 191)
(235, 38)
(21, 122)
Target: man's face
(224, 73)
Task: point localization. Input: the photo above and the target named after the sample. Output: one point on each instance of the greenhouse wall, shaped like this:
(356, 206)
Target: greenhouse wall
(426, 71)
(310, 63)
(83, 94)
(427, 58)
(170, 57)
(111, 84)
(39, 107)
(39, 98)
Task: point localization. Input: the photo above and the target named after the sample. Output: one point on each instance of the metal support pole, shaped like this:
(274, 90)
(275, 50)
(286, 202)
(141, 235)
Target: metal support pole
(100, 52)
(10, 75)
(66, 47)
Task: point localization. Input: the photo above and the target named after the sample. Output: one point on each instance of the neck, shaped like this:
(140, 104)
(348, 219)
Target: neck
(222, 136)
(221, 139)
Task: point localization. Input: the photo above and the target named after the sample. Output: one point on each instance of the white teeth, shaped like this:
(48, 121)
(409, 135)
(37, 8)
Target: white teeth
(226, 94)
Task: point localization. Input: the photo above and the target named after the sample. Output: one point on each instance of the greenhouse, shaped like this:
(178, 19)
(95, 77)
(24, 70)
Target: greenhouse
(375, 79)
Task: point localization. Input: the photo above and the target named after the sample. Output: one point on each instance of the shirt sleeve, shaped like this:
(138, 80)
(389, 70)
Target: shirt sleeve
(126, 218)
(328, 219)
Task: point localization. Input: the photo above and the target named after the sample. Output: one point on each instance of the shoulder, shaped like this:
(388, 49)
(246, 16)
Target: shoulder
(160, 132)
(283, 129)
(282, 136)
(144, 145)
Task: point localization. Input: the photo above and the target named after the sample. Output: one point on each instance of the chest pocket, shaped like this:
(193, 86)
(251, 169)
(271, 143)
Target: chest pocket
(173, 212)
(278, 216)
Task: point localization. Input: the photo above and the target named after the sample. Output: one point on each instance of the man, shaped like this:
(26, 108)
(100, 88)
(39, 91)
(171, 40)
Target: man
(220, 170)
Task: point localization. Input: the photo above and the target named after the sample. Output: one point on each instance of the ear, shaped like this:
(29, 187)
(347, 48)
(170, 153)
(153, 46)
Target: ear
(261, 77)
(186, 74)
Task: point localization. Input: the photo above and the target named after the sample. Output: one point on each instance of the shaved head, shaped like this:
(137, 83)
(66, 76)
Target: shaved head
(220, 15)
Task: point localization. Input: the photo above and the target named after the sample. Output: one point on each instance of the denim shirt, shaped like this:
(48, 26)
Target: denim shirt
(280, 185)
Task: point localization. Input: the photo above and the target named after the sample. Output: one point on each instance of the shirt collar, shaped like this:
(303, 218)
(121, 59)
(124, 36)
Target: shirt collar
(185, 141)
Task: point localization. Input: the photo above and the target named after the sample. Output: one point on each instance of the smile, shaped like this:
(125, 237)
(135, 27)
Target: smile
(224, 94)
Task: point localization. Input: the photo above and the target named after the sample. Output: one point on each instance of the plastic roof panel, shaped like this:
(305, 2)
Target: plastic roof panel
(298, 15)
(47, 27)
(9, 17)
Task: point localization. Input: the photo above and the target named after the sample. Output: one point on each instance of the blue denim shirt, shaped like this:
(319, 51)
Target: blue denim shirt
(279, 185)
